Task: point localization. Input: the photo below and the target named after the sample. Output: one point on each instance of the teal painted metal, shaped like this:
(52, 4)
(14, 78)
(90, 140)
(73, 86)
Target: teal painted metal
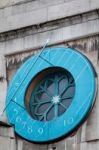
(85, 92)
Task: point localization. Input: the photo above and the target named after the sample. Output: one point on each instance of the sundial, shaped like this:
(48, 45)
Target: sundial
(51, 94)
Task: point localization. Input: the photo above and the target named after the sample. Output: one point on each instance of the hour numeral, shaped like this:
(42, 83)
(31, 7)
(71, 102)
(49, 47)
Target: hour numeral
(40, 130)
(24, 124)
(30, 130)
(18, 119)
(16, 111)
(69, 121)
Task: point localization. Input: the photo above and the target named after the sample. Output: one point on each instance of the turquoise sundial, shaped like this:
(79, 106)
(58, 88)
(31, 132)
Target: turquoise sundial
(51, 94)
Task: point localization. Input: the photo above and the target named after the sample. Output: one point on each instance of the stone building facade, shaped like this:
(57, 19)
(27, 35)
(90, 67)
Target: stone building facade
(25, 25)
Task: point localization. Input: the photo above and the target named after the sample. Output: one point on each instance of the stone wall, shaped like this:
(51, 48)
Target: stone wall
(25, 25)
(40, 11)
(87, 136)
(7, 3)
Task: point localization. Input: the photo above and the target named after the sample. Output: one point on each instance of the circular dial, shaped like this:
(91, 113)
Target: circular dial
(51, 94)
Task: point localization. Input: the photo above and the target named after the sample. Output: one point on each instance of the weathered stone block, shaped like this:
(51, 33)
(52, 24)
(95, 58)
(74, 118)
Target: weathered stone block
(7, 132)
(30, 18)
(93, 4)
(24, 145)
(93, 145)
(18, 9)
(33, 5)
(1, 13)
(2, 67)
(3, 90)
(91, 127)
(3, 87)
(4, 3)
(7, 143)
(19, 144)
(7, 11)
(69, 8)
(84, 29)
(45, 3)
(90, 16)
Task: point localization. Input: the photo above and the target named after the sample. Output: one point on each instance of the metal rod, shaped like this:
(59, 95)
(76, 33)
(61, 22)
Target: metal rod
(24, 79)
(46, 60)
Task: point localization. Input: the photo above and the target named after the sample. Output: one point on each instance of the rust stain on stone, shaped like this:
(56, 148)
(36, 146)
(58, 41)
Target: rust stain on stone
(86, 44)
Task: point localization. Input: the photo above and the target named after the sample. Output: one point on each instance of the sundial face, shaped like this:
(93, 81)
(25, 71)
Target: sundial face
(51, 94)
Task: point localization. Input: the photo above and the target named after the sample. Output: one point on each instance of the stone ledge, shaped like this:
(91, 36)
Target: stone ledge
(35, 29)
(56, 36)
(15, 21)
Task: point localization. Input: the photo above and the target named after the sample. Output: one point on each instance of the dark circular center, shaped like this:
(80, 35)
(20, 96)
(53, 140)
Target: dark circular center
(51, 95)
